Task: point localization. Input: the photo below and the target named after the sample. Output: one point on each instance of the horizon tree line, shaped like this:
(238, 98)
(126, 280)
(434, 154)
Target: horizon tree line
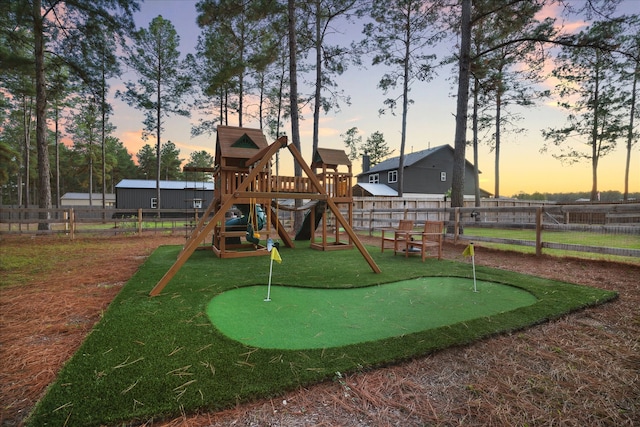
(261, 50)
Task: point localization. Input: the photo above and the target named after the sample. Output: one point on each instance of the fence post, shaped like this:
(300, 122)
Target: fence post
(538, 231)
(139, 221)
(72, 223)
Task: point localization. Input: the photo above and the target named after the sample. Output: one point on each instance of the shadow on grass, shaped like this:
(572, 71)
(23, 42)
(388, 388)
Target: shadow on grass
(155, 357)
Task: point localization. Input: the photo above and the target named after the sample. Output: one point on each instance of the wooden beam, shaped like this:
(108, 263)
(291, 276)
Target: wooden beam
(270, 195)
(280, 143)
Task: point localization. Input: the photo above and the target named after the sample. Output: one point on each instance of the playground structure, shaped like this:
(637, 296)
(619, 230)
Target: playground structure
(244, 178)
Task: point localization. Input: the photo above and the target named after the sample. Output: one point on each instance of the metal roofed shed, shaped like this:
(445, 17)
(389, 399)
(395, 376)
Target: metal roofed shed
(83, 199)
(134, 194)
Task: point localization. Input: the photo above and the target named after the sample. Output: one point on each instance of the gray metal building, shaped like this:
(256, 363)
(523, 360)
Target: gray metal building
(137, 194)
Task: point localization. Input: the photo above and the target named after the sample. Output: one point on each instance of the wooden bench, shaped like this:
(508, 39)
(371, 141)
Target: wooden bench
(396, 235)
(430, 237)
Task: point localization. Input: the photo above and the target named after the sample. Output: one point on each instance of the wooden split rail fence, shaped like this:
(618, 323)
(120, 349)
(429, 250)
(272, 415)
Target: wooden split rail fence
(609, 229)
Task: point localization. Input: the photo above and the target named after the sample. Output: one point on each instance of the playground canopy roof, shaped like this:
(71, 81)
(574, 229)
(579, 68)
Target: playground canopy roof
(330, 157)
(234, 145)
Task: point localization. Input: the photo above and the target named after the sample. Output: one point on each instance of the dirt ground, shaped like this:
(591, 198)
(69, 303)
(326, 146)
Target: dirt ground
(581, 369)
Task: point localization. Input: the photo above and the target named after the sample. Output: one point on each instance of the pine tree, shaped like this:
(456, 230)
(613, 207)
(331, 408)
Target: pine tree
(162, 83)
(593, 101)
(399, 34)
(60, 27)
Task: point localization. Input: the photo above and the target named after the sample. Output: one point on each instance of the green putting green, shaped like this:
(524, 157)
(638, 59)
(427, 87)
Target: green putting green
(306, 318)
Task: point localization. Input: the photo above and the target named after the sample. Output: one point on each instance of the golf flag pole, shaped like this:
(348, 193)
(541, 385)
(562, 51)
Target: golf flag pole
(275, 256)
(470, 252)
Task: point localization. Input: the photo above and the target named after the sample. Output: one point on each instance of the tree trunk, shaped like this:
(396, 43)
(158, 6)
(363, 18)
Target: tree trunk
(158, 151)
(316, 106)
(103, 104)
(496, 166)
(26, 124)
(91, 167)
(630, 133)
(457, 180)
(57, 157)
(44, 187)
(241, 81)
(594, 132)
(293, 96)
(405, 106)
(476, 168)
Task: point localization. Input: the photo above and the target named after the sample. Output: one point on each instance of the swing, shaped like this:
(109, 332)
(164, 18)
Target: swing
(252, 236)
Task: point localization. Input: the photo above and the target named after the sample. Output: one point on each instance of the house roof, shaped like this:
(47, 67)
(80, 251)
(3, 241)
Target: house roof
(164, 185)
(377, 189)
(409, 159)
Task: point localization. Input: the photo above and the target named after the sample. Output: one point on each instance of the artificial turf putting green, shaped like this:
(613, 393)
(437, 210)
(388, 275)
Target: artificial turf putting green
(302, 318)
(151, 358)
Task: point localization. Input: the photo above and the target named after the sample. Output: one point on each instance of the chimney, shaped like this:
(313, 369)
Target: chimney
(366, 163)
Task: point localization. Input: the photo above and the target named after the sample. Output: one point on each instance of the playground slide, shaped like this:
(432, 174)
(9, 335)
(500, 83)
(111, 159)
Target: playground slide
(305, 231)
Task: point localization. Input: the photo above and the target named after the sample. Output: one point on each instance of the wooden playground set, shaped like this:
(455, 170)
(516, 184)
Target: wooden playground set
(244, 179)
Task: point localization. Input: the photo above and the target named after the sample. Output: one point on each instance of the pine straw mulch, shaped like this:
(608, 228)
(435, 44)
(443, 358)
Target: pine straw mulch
(581, 369)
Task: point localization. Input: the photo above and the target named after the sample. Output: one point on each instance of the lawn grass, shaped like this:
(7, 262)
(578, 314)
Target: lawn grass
(150, 358)
(19, 267)
(627, 241)
(624, 241)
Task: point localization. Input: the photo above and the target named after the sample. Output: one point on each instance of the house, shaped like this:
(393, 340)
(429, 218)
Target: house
(70, 200)
(137, 194)
(425, 172)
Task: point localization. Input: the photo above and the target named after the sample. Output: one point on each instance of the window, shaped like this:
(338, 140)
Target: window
(197, 203)
(374, 178)
(392, 176)
(154, 203)
(443, 176)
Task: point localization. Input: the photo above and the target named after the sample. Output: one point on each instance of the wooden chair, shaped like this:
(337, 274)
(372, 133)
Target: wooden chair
(396, 235)
(430, 237)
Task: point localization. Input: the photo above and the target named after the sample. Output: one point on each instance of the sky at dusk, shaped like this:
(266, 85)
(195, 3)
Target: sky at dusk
(430, 120)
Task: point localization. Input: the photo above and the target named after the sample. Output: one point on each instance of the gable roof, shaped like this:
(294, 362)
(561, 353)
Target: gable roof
(409, 159)
(330, 157)
(238, 143)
